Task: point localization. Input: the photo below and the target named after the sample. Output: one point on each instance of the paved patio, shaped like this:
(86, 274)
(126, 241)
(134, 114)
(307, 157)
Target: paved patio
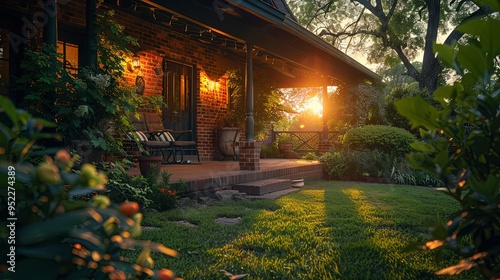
(213, 175)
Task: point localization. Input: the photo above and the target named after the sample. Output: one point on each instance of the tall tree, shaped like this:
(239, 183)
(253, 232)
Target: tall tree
(391, 31)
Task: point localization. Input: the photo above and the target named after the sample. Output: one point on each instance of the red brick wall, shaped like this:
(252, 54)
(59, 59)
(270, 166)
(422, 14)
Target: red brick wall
(210, 80)
(157, 42)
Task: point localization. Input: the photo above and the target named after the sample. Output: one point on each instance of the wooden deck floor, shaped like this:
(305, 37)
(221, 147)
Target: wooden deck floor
(212, 175)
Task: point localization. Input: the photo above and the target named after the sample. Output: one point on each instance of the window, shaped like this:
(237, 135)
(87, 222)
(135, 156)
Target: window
(178, 86)
(4, 61)
(69, 57)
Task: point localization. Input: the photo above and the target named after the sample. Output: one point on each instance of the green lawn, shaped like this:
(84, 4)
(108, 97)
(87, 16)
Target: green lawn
(328, 230)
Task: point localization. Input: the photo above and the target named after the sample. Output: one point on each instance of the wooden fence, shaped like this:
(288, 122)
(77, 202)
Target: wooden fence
(305, 141)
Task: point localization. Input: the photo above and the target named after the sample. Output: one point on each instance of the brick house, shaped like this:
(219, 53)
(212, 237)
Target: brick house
(186, 48)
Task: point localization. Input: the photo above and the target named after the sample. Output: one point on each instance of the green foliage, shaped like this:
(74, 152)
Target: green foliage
(334, 164)
(367, 104)
(310, 156)
(354, 162)
(393, 117)
(90, 105)
(463, 147)
(164, 194)
(124, 187)
(266, 95)
(391, 31)
(53, 235)
(389, 140)
(367, 162)
(393, 73)
(402, 174)
(270, 150)
(362, 104)
(17, 129)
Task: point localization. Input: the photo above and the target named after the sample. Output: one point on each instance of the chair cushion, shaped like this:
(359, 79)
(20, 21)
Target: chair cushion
(165, 137)
(139, 134)
(184, 143)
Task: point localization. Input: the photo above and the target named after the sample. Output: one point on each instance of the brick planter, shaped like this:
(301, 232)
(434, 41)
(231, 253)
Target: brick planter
(249, 157)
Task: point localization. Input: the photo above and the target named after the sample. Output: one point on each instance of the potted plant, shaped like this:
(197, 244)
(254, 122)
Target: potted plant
(285, 143)
(285, 146)
(149, 163)
(228, 135)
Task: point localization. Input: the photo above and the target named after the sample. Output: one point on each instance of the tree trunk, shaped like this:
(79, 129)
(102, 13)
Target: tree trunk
(430, 64)
(429, 79)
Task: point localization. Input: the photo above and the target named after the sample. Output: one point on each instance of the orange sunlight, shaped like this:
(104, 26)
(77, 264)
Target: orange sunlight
(315, 106)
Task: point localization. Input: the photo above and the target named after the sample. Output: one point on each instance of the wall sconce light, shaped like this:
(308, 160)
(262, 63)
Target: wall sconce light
(134, 64)
(136, 61)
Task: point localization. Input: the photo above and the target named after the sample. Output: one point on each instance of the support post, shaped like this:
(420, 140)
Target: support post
(249, 124)
(50, 28)
(325, 117)
(324, 143)
(91, 33)
(249, 157)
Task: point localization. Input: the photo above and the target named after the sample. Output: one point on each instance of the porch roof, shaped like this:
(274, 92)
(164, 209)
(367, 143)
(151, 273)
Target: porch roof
(290, 54)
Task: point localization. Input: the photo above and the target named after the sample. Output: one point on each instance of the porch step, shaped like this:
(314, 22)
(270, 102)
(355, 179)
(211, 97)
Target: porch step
(262, 187)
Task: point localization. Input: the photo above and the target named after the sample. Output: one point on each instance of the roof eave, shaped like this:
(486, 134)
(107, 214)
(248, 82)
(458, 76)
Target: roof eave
(279, 19)
(301, 32)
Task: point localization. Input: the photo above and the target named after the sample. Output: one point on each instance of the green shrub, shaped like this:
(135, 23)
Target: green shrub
(124, 187)
(310, 156)
(355, 162)
(367, 162)
(49, 233)
(84, 106)
(395, 119)
(333, 164)
(390, 140)
(270, 151)
(463, 146)
(164, 194)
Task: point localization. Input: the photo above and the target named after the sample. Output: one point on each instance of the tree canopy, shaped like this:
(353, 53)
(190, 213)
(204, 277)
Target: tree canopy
(391, 31)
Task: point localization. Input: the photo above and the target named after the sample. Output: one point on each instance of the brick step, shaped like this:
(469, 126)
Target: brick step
(262, 187)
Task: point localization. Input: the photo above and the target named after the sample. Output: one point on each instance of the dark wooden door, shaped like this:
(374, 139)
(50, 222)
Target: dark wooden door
(179, 97)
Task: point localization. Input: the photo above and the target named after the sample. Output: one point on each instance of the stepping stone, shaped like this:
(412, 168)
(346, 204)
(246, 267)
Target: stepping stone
(262, 187)
(185, 223)
(228, 221)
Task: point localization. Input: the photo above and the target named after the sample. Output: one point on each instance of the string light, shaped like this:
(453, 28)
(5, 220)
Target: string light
(153, 12)
(220, 39)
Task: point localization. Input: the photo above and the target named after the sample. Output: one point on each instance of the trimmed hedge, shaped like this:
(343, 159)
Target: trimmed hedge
(393, 141)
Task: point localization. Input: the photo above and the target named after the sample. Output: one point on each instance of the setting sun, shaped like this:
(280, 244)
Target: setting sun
(314, 105)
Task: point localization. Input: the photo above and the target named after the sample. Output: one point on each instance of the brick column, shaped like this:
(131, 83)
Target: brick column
(249, 155)
(324, 146)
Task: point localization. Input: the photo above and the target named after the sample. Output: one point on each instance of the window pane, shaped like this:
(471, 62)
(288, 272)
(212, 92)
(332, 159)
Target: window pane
(182, 93)
(72, 55)
(69, 56)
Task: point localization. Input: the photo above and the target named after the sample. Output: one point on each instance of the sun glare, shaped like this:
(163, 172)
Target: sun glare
(314, 105)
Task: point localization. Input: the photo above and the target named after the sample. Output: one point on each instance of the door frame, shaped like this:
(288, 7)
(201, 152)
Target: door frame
(192, 92)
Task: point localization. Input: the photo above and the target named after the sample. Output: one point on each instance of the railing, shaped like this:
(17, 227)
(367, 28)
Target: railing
(305, 141)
